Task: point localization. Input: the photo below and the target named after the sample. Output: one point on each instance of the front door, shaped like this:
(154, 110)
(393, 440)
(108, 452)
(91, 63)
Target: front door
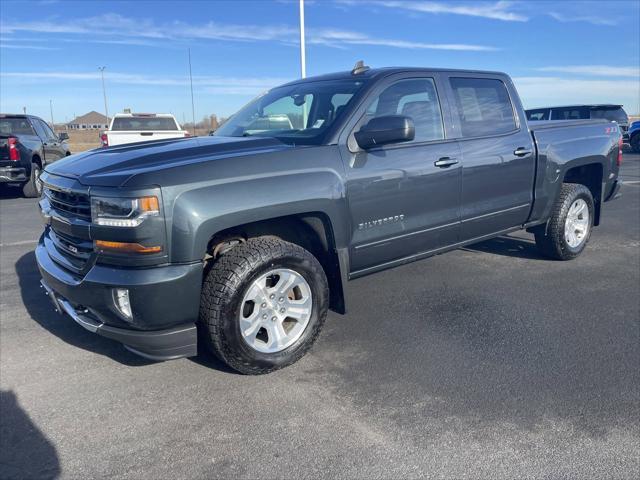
(404, 199)
(497, 152)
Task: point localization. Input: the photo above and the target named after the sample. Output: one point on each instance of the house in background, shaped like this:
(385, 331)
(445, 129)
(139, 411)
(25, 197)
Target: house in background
(89, 121)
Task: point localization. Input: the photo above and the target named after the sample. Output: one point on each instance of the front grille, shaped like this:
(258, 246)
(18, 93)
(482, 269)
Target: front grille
(74, 203)
(67, 240)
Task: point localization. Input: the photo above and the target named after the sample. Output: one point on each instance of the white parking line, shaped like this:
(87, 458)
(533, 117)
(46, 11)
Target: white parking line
(23, 242)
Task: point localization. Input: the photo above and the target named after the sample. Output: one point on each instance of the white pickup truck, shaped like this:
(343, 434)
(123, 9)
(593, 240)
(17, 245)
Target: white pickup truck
(141, 127)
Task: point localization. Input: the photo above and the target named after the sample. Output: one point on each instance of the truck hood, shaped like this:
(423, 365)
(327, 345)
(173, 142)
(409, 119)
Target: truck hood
(114, 166)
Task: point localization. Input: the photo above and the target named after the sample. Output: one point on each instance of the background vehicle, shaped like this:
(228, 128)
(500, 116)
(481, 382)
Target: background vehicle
(634, 136)
(27, 144)
(141, 127)
(613, 113)
(251, 236)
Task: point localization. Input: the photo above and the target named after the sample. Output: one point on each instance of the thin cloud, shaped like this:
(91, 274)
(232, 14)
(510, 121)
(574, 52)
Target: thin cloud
(236, 85)
(26, 47)
(541, 91)
(130, 30)
(594, 20)
(501, 10)
(595, 70)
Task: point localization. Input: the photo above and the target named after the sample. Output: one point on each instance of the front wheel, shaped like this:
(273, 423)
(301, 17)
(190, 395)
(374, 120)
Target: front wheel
(263, 304)
(635, 143)
(569, 228)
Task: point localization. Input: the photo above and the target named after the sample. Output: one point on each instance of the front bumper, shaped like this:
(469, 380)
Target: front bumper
(164, 301)
(13, 174)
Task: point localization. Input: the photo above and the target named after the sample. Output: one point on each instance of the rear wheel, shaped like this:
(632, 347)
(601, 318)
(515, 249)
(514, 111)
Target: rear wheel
(569, 228)
(33, 187)
(263, 304)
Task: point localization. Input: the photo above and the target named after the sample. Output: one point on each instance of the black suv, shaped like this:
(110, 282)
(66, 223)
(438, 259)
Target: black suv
(27, 144)
(613, 113)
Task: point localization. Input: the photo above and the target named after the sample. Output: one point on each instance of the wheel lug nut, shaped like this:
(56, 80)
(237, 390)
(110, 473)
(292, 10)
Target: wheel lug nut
(272, 296)
(273, 319)
(282, 310)
(264, 305)
(264, 316)
(281, 299)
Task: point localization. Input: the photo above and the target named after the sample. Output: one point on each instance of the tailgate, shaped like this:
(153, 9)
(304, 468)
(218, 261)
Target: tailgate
(121, 138)
(4, 151)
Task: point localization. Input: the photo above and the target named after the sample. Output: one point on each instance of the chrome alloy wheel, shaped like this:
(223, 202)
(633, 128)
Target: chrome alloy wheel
(275, 310)
(576, 226)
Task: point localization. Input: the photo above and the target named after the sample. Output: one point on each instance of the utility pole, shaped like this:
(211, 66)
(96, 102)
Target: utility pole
(24, 110)
(193, 107)
(51, 108)
(104, 93)
(303, 59)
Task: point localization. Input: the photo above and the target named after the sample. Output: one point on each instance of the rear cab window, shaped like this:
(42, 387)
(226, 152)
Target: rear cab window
(15, 126)
(570, 113)
(143, 124)
(483, 106)
(611, 114)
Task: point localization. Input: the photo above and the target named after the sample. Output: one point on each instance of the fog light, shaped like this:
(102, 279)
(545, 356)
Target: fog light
(121, 299)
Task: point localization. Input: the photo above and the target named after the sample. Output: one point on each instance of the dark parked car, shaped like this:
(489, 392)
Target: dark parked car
(27, 145)
(613, 113)
(250, 235)
(634, 136)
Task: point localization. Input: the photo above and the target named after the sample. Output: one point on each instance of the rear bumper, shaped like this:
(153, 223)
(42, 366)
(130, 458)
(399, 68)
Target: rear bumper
(13, 174)
(164, 301)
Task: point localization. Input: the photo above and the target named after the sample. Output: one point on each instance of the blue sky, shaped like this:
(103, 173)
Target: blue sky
(556, 51)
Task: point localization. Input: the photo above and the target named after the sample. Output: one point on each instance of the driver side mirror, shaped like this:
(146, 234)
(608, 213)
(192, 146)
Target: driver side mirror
(63, 136)
(385, 130)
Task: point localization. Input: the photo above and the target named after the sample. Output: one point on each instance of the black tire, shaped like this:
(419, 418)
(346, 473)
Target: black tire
(223, 291)
(635, 143)
(551, 240)
(33, 187)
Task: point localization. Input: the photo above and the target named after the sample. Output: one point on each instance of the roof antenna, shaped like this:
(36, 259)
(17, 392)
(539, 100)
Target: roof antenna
(359, 68)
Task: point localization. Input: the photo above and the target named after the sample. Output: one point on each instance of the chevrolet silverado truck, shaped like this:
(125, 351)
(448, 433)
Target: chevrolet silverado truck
(248, 237)
(27, 144)
(141, 127)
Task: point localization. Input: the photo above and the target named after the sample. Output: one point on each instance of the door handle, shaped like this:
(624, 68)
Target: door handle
(445, 162)
(522, 152)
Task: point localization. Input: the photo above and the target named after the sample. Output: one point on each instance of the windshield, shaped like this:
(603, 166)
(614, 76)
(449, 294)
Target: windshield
(612, 114)
(299, 113)
(143, 123)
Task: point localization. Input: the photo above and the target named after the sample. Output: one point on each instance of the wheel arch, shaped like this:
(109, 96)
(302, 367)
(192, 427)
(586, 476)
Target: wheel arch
(312, 231)
(591, 176)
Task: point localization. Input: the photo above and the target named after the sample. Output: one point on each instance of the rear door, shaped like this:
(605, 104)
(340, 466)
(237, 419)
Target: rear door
(498, 154)
(400, 201)
(50, 142)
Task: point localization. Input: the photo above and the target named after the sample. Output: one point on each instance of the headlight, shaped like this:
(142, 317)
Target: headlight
(123, 212)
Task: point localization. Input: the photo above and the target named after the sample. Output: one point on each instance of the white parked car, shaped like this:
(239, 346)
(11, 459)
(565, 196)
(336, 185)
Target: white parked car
(141, 127)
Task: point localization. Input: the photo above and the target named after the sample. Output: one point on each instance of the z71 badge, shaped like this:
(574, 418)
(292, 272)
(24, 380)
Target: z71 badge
(380, 221)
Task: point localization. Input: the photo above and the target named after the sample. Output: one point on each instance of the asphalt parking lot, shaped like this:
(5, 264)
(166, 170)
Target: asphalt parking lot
(487, 362)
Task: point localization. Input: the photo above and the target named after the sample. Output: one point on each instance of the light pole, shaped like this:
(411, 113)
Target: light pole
(104, 93)
(193, 108)
(51, 108)
(303, 60)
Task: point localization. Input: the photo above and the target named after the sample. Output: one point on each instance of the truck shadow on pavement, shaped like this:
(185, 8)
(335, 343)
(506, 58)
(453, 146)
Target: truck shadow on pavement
(25, 452)
(509, 247)
(41, 310)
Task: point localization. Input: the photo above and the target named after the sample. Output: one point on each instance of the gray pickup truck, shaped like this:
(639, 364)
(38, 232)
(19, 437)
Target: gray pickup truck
(250, 235)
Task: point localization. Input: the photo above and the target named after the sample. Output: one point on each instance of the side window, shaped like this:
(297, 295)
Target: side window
(37, 125)
(537, 114)
(483, 106)
(47, 129)
(415, 98)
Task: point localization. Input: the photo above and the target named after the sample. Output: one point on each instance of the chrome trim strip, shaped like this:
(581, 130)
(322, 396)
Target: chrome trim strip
(527, 205)
(417, 232)
(404, 235)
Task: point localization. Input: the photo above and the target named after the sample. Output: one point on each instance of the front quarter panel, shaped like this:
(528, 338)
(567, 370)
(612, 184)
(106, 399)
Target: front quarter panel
(255, 188)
